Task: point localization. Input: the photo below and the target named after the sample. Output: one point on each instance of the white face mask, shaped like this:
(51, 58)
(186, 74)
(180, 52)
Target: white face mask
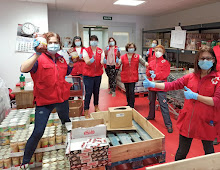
(158, 54)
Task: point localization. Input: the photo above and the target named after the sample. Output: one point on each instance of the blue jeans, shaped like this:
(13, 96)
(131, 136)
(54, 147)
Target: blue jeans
(42, 114)
(92, 86)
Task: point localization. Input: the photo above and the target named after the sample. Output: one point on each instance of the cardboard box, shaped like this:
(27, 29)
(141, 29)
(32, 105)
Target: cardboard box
(120, 117)
(75, 108)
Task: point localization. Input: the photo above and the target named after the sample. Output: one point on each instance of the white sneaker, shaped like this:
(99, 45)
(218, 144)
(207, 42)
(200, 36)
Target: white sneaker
(24, 167)
(113, 94)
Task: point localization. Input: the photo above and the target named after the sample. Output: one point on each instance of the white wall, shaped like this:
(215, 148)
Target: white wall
(13, 13)
(204, 14)
(65, 23)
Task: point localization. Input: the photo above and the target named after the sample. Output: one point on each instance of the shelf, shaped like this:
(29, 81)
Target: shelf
(174, 50)
(207, 26)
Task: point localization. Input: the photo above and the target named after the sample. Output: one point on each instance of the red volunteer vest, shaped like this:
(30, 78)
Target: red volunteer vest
(96, 68)
(194, 119)
(49, 81)
(217, 53)
(79, 65)
(150, 56)
(129, 73)
(115, 52)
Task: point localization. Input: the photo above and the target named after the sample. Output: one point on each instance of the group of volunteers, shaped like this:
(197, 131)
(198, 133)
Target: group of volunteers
(198, 119)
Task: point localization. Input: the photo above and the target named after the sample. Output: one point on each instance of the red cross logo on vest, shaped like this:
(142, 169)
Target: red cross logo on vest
(215, 80)
(61, 59)
(163, 61)
(99, 51)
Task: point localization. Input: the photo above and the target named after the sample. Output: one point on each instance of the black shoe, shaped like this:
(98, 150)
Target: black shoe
(149, 118)
(169, 129)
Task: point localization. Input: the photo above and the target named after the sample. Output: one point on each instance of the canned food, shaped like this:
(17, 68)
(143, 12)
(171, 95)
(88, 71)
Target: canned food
(7, 162)
(15, 161)
(21, 145)
(39, 157)
(14, 146)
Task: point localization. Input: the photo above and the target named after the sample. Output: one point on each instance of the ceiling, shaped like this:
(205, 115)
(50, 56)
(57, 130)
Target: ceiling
(149, 8)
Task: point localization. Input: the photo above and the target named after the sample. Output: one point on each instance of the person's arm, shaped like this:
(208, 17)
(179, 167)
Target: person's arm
(86, 57)
(29, 63)
(142, 61)
(102, 57)
(119, 63)
(206, 100)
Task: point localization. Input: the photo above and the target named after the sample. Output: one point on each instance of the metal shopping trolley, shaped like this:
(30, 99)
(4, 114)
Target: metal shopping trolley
(76, 90)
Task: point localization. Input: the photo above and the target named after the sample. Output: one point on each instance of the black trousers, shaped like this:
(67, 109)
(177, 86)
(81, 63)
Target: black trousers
(184, 146)
(129, 87)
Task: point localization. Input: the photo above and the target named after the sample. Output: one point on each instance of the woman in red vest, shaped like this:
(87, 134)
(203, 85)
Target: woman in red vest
(48, 70)
(78, 66)
(112, 55)
(200, 116)
(158, 70)
(92, 73)
(129, 74)
(150, 53)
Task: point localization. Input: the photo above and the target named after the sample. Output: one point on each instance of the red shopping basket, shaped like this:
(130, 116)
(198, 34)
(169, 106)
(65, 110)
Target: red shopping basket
(75, 92)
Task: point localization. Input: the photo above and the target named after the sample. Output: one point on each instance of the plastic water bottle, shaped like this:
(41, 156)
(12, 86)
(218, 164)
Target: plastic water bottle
(22, 82)
(211, 123)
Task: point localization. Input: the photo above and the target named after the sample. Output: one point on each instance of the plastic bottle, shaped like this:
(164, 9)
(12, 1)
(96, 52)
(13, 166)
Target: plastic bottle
(22, 82)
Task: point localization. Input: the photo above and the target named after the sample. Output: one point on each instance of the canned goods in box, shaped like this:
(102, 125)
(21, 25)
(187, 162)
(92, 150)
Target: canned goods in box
(21, 126)
(13, 128)
(3, 130)
(4, 140)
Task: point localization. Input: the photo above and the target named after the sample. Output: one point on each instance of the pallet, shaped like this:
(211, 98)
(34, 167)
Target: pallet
(133, 147)
(142, 94)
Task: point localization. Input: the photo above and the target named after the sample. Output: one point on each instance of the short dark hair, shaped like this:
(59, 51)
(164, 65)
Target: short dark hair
(93, 37)
(113, 40)
(77, 38)
(129, 44)
(202, 50)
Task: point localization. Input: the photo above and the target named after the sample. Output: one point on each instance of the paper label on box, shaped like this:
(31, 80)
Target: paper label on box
(120, 115)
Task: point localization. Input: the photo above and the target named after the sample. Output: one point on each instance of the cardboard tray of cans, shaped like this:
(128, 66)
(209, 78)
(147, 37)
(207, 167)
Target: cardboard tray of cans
(136, 149)
(87, 146)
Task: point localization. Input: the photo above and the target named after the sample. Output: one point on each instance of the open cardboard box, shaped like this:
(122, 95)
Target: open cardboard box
(136, 149)
(75, 108)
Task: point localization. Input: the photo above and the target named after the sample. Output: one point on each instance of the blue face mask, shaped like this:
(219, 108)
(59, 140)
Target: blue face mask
(205, 64)
(154, 45)
(131, 50)
(78, 43)
(93, 43)
(112, 43)
(53, 48)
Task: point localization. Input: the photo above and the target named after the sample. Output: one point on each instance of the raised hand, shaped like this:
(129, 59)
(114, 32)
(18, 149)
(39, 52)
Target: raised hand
(92, 59)
(148, 83)
(189, 94)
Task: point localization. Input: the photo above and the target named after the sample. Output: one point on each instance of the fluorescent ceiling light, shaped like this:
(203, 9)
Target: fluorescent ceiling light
(129, 2)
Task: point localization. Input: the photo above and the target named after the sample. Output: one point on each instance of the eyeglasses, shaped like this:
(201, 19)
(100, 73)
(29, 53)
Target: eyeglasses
(206, 58)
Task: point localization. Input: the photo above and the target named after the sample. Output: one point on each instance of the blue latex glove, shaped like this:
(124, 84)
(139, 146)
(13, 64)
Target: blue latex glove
(36, 44)
(80, 56)
(153, 76)
(151, 72)
(148, 52)
(104, 61)
(92, 59)
(117, 60)
(189, 94)
(148, 83)
(70, 60)
(119, 50)
(107, 48)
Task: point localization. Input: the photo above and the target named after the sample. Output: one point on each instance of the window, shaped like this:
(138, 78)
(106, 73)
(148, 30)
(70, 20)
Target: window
(122, 39)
